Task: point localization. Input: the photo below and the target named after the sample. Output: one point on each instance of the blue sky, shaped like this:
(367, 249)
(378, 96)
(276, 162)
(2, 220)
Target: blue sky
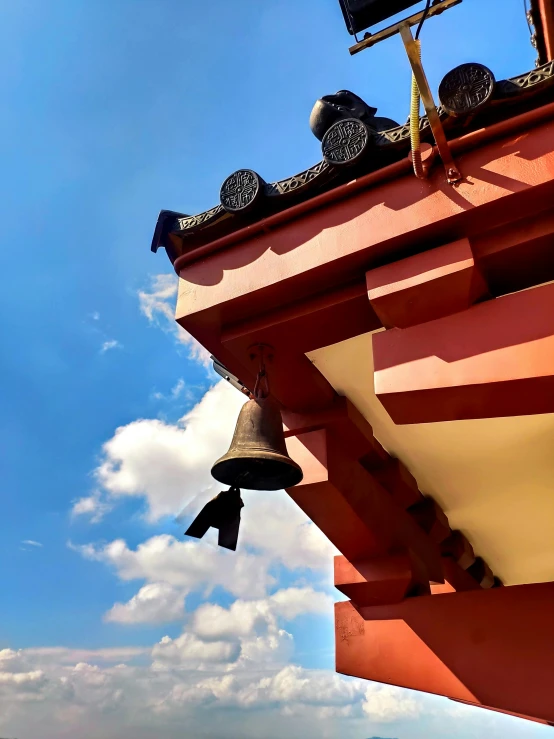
(110, 112)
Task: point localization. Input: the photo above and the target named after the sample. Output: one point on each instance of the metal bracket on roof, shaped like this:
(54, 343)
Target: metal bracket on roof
(233, 380)
(404, 29)
(370, 39)
(452, 172)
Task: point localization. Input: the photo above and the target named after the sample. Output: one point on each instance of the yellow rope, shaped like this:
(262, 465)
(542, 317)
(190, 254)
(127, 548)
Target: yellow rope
(414, 124)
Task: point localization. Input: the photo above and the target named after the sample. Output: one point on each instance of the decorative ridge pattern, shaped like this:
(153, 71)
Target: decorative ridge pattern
(466, 93)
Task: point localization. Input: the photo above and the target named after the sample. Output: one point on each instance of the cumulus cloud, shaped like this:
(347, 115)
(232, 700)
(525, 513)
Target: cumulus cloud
(248, 633)
(158, 305)
(207, 686)
(388, 704)
(26, 680)
(289, 688)
(244, 617)
(310, 687)
(186, 565)
(256, 625)
(12, 661)
(174, 568)
(156, 602)
(189, 651)
(118, 701)
(169, 464)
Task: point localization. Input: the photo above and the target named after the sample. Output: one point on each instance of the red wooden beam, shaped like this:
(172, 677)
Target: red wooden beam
(381, 580)
(426, 286)
(343, 421)
(544, 9)
(354, 511)
(495, 359)
(487, 647)
(516, 255)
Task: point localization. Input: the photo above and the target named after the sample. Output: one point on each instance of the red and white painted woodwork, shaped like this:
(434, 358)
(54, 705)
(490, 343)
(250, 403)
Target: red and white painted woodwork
(440, 269)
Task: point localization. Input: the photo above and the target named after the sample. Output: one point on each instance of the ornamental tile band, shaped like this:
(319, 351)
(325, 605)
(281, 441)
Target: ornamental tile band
(355, 142)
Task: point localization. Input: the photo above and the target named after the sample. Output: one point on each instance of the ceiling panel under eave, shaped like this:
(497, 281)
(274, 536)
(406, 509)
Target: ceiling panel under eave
(494, 478)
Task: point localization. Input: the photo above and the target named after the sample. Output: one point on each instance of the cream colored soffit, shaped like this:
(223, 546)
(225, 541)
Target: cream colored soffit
(494, 477)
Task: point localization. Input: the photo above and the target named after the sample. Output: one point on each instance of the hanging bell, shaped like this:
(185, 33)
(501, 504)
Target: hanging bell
(257, 458)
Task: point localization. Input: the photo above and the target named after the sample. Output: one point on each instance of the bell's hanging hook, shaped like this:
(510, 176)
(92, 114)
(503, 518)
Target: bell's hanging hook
(261, 352)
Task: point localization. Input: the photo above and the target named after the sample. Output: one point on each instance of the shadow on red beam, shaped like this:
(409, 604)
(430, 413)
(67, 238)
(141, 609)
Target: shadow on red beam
(494, 359)
(294, 381)
(488, 647)
(350, 506)
(310, 324)
(517, 255)
(514, 125)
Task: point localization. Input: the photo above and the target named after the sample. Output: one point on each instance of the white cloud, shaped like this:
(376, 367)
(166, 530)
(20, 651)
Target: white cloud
(272, 523)
(208, 686)
(250, 629)
(274, 647)
(12, 660)
(32, 543)
(293, 602)
(193, 653)
(156, 602)
(311, 687)
(158, 305)
(256, 624)
(288, 688)
(387, 704)
(245, 617)
(93, 506)
(95, 315)
(186, 565)
(110, 344)
(170, 464)
(175, 568)
(24, 680)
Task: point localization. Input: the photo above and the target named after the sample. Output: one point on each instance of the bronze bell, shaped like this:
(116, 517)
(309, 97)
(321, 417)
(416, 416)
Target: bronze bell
(257, 458)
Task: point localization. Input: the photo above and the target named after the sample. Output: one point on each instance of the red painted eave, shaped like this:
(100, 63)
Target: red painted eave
(469, 142)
